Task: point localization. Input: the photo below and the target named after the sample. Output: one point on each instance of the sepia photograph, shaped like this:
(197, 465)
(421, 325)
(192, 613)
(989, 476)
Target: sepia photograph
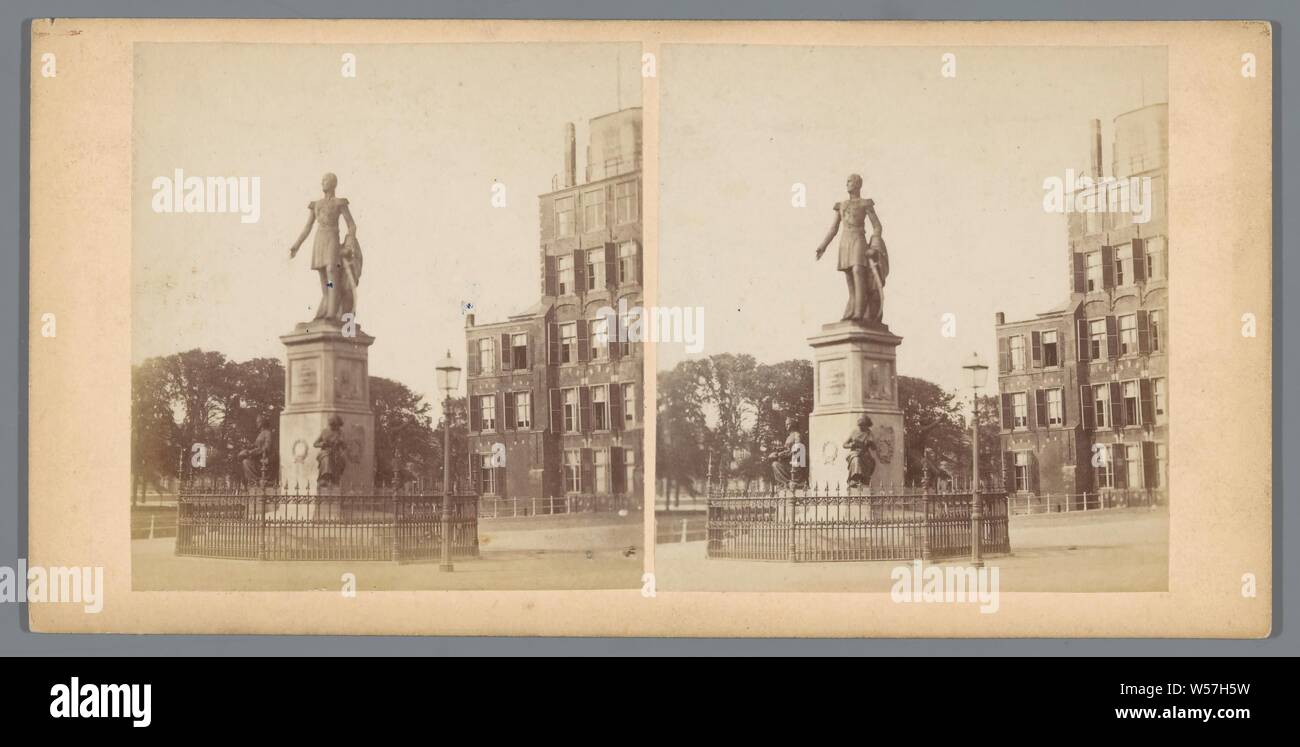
(367, 317)
(940, 337)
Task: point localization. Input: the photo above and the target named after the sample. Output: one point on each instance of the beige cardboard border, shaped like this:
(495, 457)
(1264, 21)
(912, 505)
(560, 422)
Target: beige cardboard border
(1220, 211)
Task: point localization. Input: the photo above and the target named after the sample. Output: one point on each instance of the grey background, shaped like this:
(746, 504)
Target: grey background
(15, 324)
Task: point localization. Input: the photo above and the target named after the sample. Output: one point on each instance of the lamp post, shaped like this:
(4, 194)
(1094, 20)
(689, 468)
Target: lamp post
(448, 378)
(978, 374)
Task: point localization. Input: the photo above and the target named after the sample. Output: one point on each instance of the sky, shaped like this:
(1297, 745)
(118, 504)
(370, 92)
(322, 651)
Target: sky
(955, 166)
(417, 139)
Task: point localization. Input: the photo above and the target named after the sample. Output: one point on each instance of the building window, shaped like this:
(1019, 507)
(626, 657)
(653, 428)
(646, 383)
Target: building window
(1133, 465)
(1017, 353)
(1093, 267)
(564, 223)
(593, 210)
(1097, 339)
(600, 408)
(600, 464)
(629, 403)
(1155, 258)
(599, 337)
(523, 410)
(1051, 352)
(572, 471)
(629, 469)
(564, 268)
(487, 475)
(1019, 410)
(1055, 407)
(595, 268)
(570, 407)
(487, 408)
(519, 351)
(1105, 471)
(625, 202)
(1158, 395)
(1123, 264)
(486, 356)
(1155, 322)
(627, 262)
(1101, 404)
(1128, 334)
(1022, 471)
(1159, 471)
(1131, 401)
(569, 342)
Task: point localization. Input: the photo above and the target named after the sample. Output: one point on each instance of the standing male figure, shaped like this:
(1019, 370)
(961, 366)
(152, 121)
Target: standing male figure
(339, 263)
(865, 263)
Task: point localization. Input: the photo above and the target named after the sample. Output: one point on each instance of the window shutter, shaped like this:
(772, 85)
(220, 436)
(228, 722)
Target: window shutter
(1139, 260)
(1004, 354)
(553, 339)
(557, 415)
(1108, 267)
(1065, 419)
(1033, 472)
(584, 341)
(579, 271)
(1040, 402)
(1118, 467)
(1080, 273)
(501, 481)
(1116, 405)
(588, 475)
(1009, 471)
(614, 336)
(614, 396)
(1036, 348)
(500, 407)
(1030, 419)
(1087, 415)
(1148, 404)
(1081, 326)
(1148, 464)
(611, 264)
(528, 347)
(475, 414)
(584, 409)
(1007, 422)
(1112, 338)
(551, 282)
(509, 419)
(471, 358)
(505, 353)
(618, 481)
(1144, 332)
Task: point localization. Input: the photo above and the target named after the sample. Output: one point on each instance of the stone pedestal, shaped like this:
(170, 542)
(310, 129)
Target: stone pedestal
(327, 373)
(854, 374)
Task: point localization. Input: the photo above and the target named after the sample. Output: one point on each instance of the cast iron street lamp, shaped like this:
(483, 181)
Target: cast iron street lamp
(448, 381)
(979, 374)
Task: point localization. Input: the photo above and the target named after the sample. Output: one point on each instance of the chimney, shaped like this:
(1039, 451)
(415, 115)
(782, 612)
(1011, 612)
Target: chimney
(1096, 149)
(1000, 318)
(469, 321)
(570, 155)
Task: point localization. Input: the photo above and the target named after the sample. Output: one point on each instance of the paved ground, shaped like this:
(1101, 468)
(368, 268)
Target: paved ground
(1119, 550)
(563, 552)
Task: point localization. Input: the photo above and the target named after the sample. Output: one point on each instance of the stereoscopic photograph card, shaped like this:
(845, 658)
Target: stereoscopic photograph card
(641, 328)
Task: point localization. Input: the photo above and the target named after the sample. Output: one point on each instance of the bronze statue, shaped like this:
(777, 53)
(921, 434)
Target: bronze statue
(861, 448)
(332, 459)
(339, 264)
(255, 456)
(865, 263)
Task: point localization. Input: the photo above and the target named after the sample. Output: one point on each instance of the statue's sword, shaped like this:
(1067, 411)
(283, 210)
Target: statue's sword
(880, 284)
(352, 280)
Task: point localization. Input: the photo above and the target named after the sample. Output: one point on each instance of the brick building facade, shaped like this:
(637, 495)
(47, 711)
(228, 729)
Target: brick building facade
(565, 406)
(1083, 387)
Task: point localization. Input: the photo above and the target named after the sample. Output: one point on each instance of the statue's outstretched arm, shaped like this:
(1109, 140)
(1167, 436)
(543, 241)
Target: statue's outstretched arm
(835, 227)
(306, 230)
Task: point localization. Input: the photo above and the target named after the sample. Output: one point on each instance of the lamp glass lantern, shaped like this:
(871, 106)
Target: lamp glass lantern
(977, 371)
(448, 376)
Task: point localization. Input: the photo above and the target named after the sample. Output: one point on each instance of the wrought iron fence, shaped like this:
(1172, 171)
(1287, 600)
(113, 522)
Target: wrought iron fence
(285, 523)
(821, 525)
